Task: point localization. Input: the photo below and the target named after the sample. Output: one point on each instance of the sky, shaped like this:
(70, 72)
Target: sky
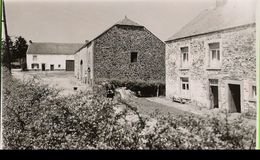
(74, 21)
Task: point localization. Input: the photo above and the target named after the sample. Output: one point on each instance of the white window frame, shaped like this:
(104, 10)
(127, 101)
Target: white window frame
(185, 83)
(185, 92)
(208, 57)
(216, 61)
(185, 63)
(35, 66)
(34, 57)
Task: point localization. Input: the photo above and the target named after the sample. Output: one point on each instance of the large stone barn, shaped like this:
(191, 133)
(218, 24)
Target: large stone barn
(51, 56)
(125, 51)
(211, 61)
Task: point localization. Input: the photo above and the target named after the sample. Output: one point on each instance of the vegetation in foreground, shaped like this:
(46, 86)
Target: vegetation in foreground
(35, 117)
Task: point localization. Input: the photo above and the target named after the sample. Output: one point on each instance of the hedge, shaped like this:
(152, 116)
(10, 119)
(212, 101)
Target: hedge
(141, 88)
(36, 117)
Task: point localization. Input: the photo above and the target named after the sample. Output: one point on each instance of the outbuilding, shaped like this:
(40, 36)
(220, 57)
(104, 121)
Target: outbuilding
(51, 56)
(125, 51)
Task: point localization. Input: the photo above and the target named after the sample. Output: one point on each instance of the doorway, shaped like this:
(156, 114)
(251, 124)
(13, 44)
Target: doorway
(69, 65)
(213, 93)
(43, 67)
(52, 67)
(214, 96)
(81, 69)
(234, 98)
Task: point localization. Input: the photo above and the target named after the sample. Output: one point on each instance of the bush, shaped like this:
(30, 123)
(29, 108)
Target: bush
(141, 88)
(35, 117)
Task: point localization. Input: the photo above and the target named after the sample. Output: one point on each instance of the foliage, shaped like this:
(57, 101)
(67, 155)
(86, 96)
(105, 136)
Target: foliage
(141, 88)
(36, 117)
(250, 113)
(18, 48)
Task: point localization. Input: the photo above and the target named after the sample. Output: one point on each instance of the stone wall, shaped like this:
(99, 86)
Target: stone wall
(238, 65)
(84, 72)
(112, 55)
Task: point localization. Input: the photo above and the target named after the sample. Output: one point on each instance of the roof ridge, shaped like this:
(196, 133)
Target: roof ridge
(218, 18)
(55, 43)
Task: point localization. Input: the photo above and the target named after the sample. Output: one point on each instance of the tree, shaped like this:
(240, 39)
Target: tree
(20, 48)
(19, 51)
(4, 56)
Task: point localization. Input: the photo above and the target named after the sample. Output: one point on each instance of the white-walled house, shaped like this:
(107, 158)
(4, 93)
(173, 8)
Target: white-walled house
(51, 56)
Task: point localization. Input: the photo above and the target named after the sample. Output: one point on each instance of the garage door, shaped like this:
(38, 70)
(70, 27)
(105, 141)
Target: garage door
(69, 65)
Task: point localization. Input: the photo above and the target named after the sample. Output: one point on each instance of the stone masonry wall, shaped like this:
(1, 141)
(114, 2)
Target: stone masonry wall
(112, 55)
(238, 58)
(85, 55)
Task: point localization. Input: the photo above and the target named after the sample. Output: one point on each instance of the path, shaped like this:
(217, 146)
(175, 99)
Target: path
(63, 80)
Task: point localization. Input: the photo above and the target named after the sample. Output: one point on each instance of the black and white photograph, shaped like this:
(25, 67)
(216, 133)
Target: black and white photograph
(129, 75)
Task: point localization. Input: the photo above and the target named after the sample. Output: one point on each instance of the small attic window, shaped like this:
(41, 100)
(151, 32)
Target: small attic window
(34, 58)
(133, 57)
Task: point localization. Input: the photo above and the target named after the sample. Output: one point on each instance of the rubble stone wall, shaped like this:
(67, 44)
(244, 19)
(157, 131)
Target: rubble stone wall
(238, 66)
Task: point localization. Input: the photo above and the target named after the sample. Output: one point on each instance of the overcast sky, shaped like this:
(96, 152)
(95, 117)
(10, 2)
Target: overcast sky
(78, 20)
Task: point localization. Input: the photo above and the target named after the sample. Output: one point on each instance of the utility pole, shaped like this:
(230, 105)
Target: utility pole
(7, 51)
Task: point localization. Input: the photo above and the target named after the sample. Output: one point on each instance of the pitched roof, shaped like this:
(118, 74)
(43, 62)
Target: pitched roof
(124, 22)
(127, 22)
(53, 48)
(232, 14)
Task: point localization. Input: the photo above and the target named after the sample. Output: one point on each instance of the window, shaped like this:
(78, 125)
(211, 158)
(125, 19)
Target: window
(214, 51)
(35, 66)
(59, 65)
(184, 56)
(34, 58)
(185, 84)
(133, 57)
(253, 93)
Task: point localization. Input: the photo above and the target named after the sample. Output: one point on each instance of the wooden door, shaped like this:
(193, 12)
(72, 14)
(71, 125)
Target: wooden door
(69, 65)
(43, 67)
(234, 98)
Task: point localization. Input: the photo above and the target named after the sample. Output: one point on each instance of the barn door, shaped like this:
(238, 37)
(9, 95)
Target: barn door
(69, 65)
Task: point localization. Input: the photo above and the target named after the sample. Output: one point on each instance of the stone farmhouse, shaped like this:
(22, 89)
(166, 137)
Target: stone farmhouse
(211, 61)
(51, 56)
(125, 51)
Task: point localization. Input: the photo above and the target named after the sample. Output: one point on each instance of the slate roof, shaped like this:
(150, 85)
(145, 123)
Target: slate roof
(124, 22)
(127, 22)
(232, 14)
(53, 48)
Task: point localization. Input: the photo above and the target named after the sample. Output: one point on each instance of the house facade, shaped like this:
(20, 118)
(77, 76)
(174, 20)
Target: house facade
(51, 56)
(125, 51)
(211, 61)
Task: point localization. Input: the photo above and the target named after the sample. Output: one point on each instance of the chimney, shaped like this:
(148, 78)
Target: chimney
(220, 3)
(86, 41)
(30, 41)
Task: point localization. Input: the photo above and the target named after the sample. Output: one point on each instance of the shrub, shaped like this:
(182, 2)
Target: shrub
(250, 113)
(141, 88)
(35, 117)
